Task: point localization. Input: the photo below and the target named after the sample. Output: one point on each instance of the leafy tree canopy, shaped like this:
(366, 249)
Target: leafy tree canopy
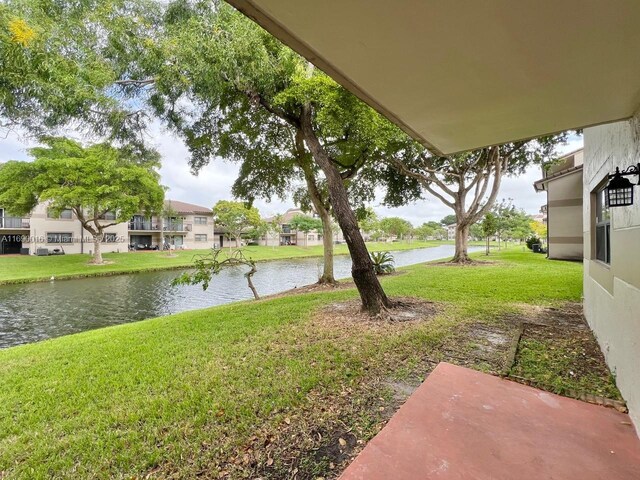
(236, 218)
(89, 180)
(306, 223)
(395, 226)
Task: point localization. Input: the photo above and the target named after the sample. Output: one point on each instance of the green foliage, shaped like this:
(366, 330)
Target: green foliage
(431, 230)
(206, 266)
(533, 240)
(62, 61)
(449, 220)
(383, 262)
(510, 222)
(91, 180)
(306, 223)
(489, 225)
(395, 226)
(236, 217)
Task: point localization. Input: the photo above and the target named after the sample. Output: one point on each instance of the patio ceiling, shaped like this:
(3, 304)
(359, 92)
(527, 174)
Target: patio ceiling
(458, 75)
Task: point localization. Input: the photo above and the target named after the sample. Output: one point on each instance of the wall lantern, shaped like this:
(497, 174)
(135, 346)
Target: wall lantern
(620, 189)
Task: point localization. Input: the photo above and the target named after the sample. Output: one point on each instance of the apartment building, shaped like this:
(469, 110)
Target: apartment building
(185, 226)
(288, 235)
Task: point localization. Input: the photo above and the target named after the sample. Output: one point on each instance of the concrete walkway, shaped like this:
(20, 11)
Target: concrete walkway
(467, 425)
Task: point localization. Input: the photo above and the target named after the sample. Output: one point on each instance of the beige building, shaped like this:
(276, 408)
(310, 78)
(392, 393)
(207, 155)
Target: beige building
(42, 233)
(287, 235)
(562, 181)
(187, 226)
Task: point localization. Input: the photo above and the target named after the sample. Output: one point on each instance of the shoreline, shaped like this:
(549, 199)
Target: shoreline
(110, 273)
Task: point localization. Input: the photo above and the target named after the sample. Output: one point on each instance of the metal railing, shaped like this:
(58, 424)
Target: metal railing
(142, 225)
(14, 222)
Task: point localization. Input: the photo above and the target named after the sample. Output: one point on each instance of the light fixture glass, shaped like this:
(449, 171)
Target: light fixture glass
(619, 192)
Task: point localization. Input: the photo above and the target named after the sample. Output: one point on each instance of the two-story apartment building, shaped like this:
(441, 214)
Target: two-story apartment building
(288, 235)
(184, 226)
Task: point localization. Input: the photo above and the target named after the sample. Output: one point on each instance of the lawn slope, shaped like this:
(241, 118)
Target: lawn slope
(248, 389)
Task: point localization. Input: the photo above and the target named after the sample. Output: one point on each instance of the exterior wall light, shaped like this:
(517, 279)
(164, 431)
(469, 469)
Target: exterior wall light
(620, 189)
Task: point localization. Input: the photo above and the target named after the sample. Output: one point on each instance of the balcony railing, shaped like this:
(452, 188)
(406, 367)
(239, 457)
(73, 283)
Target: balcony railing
(166, 226)
(177, 227)
(143, 225)
(14, 222)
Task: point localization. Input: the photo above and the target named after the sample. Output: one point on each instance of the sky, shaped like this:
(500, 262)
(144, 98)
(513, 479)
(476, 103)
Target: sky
(214, 182)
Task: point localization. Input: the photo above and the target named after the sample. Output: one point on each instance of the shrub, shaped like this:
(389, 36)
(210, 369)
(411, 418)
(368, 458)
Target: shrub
(533, 240)
(382, 262)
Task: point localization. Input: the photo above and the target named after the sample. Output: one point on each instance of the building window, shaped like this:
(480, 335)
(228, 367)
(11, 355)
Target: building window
(58, 237)
(108, 216)
(311, 237)
(201, 237)
(200, 220)
(110, 238)
(603, 228)
(65, 214)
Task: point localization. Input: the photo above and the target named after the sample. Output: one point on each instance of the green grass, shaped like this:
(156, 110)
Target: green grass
(185, 394)
(20, 269)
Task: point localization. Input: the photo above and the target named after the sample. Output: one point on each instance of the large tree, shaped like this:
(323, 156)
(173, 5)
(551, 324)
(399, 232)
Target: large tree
(236, 218)
(235, 75)
(91, 181)
(395, 227)
(305, 224)
(210, 74)
(469, 183)
(74, 64)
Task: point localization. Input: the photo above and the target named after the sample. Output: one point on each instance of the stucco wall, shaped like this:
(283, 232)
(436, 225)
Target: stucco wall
(612, 292)
(564, 210)
(41, 225)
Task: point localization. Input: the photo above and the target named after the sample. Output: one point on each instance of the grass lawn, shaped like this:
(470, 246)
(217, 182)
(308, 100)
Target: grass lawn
(20, 269)
(272, 388)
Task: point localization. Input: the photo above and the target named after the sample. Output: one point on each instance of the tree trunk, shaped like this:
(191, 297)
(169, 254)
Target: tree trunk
(374, 300)
(248, 276)
(487, 246)
(327, 245)
(97, 253)
(321, 209)
(462, 239)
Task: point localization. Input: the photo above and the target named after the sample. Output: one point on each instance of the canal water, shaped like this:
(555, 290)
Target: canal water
(37, 311)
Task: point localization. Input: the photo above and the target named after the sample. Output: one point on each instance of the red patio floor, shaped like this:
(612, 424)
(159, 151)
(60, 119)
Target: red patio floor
(463, 424)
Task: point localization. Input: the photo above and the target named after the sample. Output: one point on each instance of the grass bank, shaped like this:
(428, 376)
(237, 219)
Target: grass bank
(271, 389)
(23, 269)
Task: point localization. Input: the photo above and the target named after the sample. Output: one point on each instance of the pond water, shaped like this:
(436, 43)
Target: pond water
(37, 311)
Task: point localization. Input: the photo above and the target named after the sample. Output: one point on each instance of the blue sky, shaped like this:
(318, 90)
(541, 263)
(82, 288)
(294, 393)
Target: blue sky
(214, 181)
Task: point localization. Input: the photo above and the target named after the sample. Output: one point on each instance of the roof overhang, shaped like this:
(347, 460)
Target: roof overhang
(541, 185)
(459, 75)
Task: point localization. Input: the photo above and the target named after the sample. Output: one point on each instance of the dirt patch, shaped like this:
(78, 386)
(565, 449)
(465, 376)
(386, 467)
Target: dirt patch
(472, 263)
(104, 262)
(404, 309)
